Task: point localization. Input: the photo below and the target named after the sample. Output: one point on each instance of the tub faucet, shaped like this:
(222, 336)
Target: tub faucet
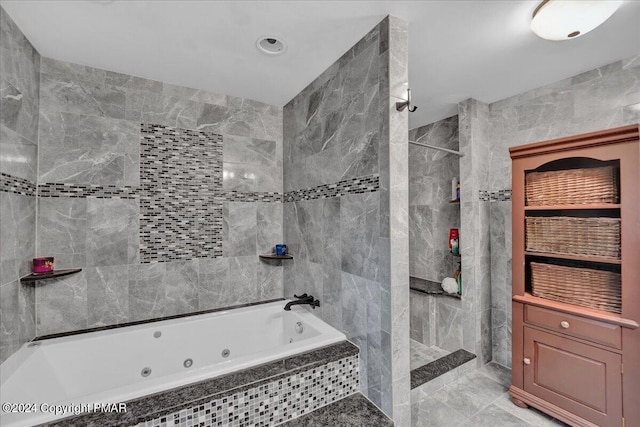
(303, 299)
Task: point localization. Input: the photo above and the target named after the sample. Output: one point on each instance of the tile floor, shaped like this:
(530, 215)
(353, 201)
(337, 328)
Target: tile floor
(422, 354)
(477, 399)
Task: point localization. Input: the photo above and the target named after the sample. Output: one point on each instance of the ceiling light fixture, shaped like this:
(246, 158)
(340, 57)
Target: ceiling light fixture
(271, 45)
(569, 19)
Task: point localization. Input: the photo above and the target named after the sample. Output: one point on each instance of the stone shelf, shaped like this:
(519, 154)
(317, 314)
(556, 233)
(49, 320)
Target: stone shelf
(34, 277)
(274, 256)
(430, 288)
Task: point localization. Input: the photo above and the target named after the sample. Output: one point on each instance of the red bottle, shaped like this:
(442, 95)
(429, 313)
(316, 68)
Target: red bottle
(453, 240)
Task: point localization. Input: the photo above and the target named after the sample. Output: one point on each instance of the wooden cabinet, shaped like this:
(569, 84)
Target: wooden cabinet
(576, 278)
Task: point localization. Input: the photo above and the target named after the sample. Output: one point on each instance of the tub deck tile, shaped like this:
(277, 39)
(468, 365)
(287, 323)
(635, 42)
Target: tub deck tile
(169, 401)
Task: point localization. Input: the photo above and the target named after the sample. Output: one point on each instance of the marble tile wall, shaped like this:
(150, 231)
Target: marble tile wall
(606, 97)
(329, 131)
(93, 191)
(474, 231)
(19, 101)
(335, 130)
(421, 311)
(394, 208)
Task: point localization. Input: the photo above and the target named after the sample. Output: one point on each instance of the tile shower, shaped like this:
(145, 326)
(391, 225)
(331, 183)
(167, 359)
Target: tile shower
(165, 195)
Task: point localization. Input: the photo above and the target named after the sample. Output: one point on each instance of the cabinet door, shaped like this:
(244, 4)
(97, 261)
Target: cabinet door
(579, 378)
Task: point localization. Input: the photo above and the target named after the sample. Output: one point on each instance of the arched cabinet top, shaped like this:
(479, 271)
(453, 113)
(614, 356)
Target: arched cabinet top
(584, 141)
(574, 162)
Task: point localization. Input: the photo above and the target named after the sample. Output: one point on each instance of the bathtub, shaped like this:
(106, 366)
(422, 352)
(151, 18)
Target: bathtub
(116, 365)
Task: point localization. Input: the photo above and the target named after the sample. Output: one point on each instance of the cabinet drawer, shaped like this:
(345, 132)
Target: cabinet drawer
(580, 327)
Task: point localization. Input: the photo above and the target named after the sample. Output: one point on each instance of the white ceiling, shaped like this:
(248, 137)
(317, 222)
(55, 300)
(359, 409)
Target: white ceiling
(458, 49)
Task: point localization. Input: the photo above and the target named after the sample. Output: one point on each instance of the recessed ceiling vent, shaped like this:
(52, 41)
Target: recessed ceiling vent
(271, 45)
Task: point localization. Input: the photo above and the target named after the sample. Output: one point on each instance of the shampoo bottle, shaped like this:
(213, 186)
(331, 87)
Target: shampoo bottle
(454, 189)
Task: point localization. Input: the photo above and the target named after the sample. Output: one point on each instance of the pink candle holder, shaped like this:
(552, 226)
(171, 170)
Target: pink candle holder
(43, 265)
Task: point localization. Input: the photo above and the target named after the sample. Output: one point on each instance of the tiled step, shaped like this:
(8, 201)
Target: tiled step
(352, 411)
(440, 372)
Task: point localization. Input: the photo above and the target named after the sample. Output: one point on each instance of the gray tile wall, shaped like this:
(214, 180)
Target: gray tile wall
(91, 156)
(474, 230)
(330, 135)
(19, 100)
(598, 99)
(422, 317)
(430, 218)
(394, 211)
(337, 129)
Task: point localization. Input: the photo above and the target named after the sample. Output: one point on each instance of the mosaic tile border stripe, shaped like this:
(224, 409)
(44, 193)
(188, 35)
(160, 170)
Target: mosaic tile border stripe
(494, 196)
(56, 189)
(53, 189)
(15, 185)
(236, 196)
(180, 176)
(367, 184)
(205, 189)
(271, 403)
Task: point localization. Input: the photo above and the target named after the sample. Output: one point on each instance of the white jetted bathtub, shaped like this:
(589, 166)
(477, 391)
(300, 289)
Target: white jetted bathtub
(120, 364)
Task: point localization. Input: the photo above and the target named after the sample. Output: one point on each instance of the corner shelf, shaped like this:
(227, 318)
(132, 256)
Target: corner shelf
(274, 256)
(455, 202)
(42, 276)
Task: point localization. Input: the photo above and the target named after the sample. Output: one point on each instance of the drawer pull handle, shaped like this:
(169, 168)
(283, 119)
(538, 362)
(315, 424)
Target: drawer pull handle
(564, 324)
(527, 361)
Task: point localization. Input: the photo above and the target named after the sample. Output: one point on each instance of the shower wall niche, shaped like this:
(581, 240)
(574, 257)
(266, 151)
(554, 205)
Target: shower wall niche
(435, 318)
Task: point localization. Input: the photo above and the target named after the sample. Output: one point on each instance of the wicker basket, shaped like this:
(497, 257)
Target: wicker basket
(573, 236)
(572, 187)
(579, 286)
